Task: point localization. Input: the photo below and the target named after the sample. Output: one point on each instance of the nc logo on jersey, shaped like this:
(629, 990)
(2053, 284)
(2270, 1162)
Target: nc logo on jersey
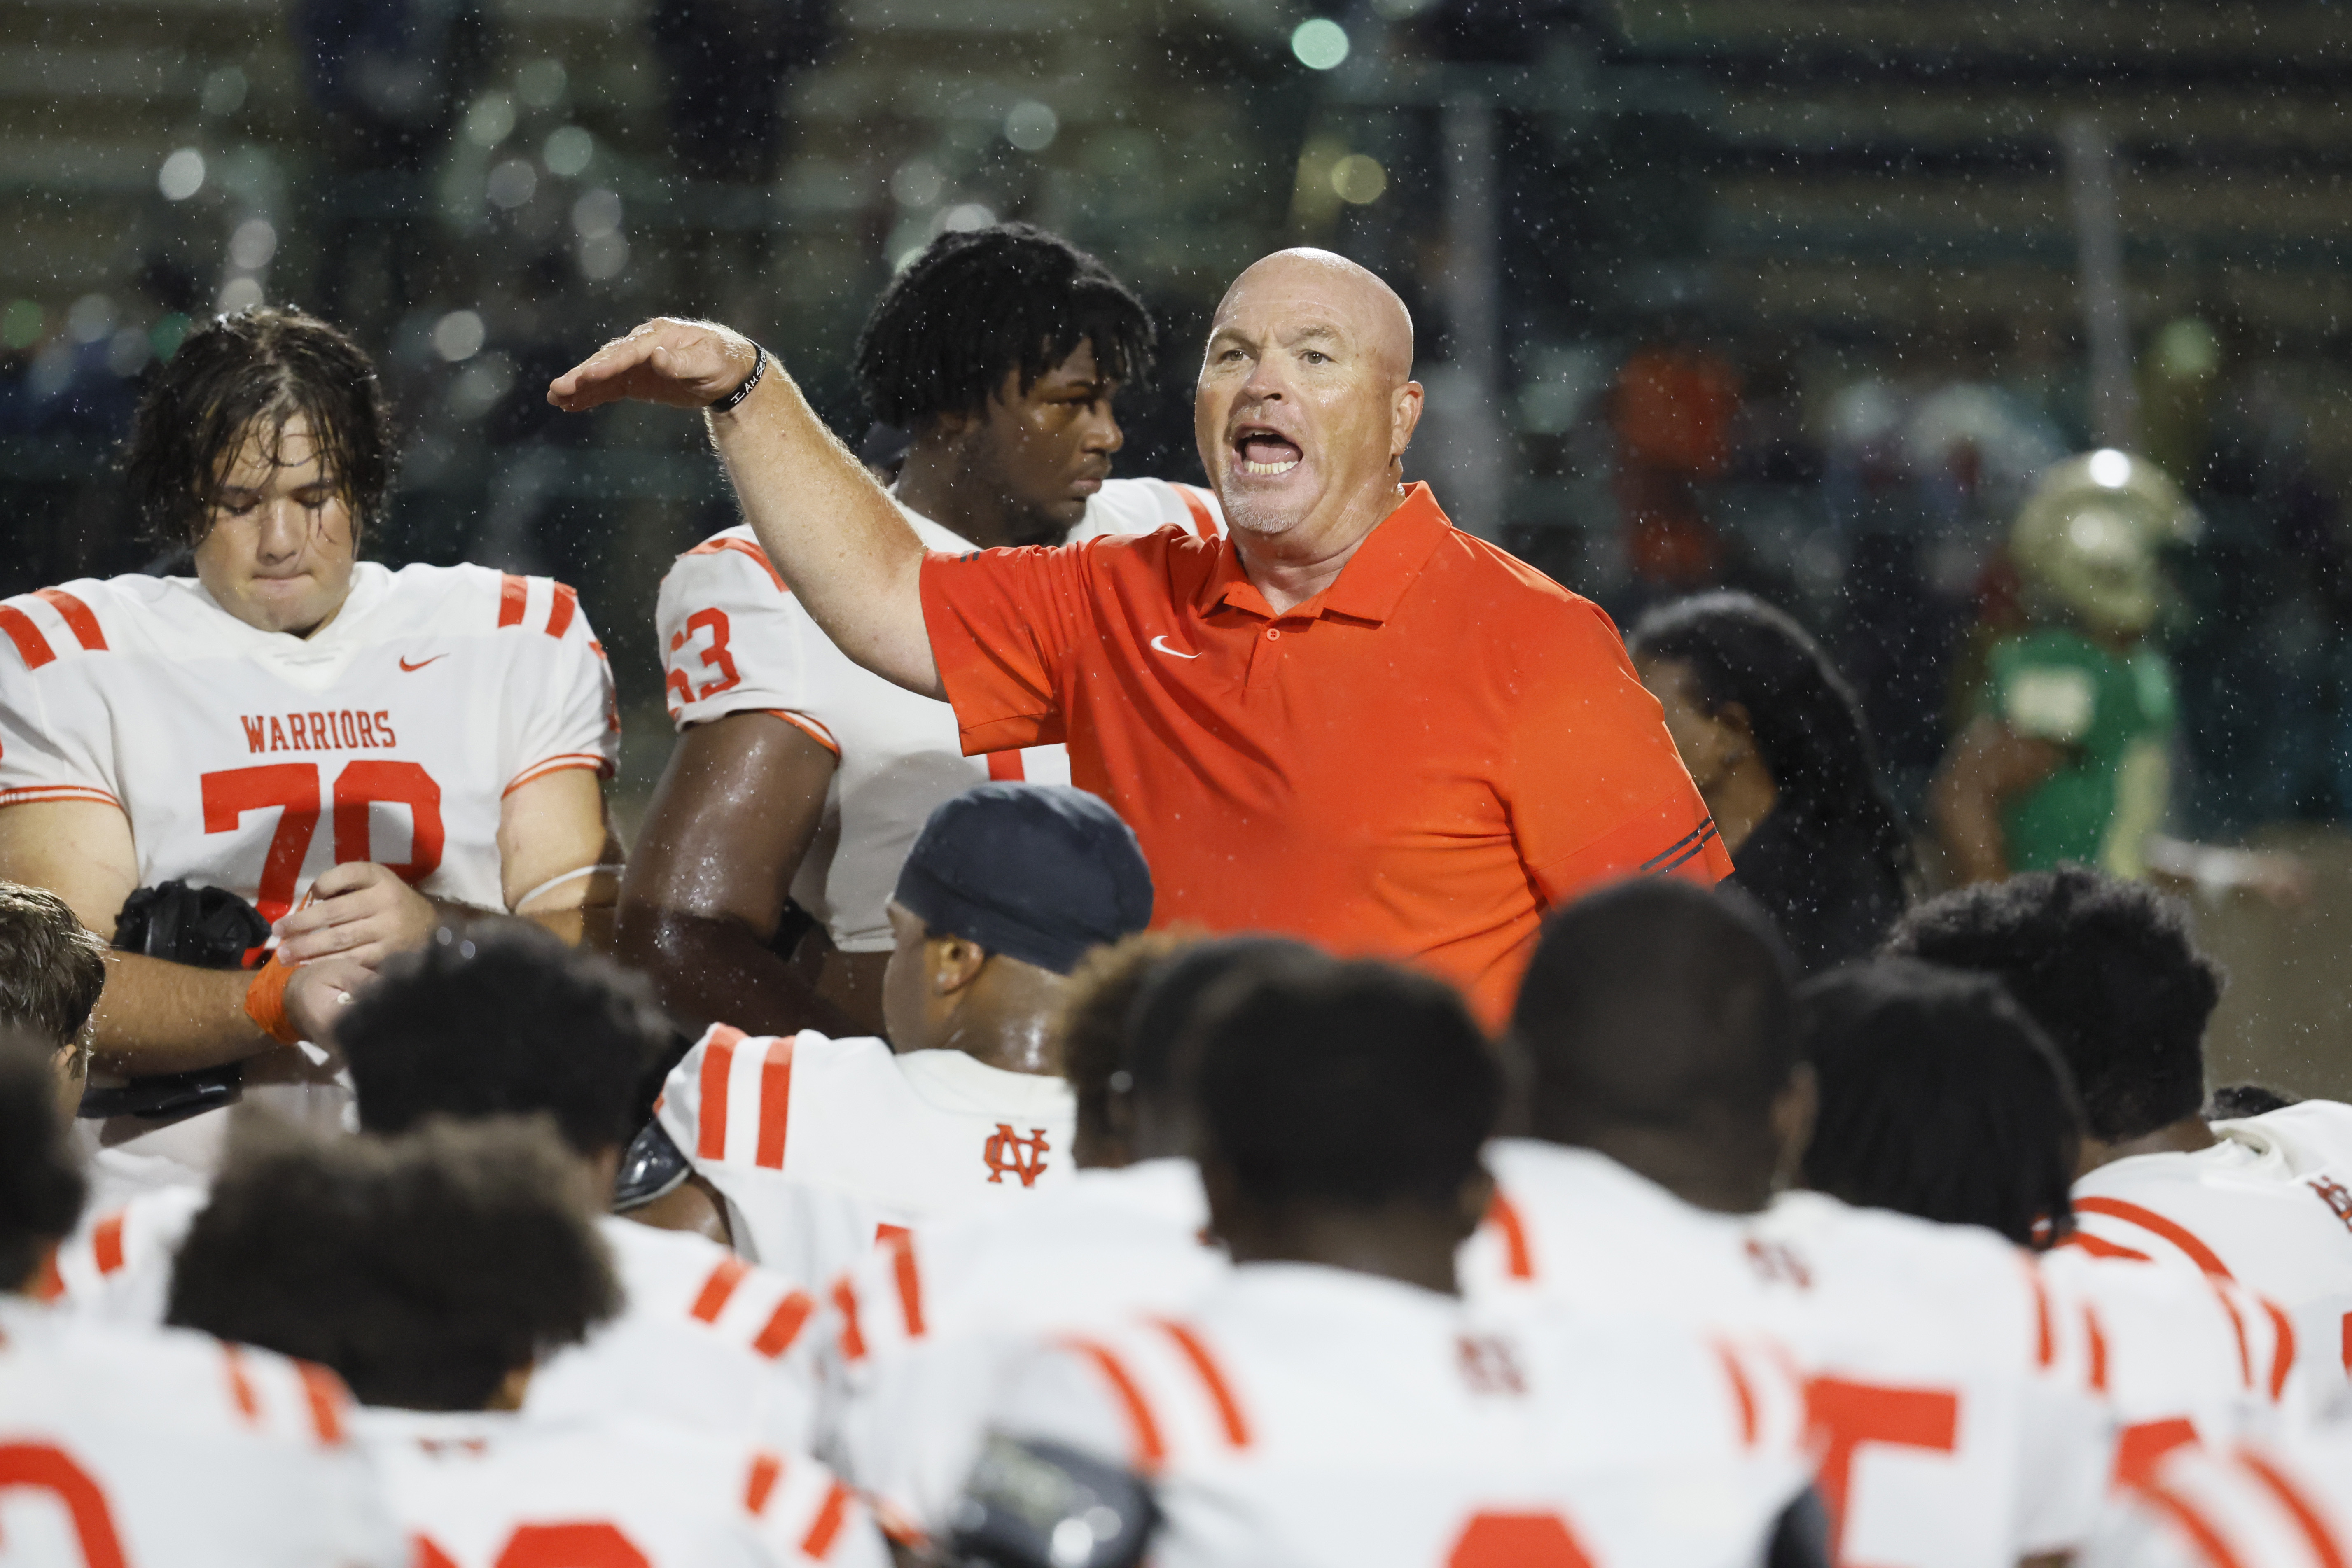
(1007, 1150)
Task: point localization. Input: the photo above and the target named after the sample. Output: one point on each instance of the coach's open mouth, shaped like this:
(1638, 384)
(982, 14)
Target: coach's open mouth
(1265, 451)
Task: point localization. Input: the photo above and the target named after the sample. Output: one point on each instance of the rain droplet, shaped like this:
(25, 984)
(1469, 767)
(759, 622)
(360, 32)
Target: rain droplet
(181, 175)
(542, 83)
(459, 336)
(1031, 126)
(253, 243)
(222, 92)
(490, 121)
(1319, 43)
(91, 317)
(512, 182)
(569, 150)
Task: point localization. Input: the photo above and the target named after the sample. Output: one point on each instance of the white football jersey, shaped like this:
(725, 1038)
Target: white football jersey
(735, 640)
(930, 1324)
(254, 760)
(165, 1450)
(702, 1339)
(493, 1490)
(2280, 1505)
(1939, 1381)
(821, 1145)
(2268, 1204)
(1296, 1416)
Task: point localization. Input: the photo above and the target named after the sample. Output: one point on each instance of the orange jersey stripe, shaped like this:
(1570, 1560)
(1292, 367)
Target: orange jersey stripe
(31, 646)
(106, 1243)
(513, 592)
(2097, 1339)
(2100, 1247)
(822, 1534)
(784, 1324)
(2290, 1497)
(324, 1392)
(909, 1281)
(567, 605)
(852, 1338)
(1150, 1450)
(77, 616)
(2172, 1231)
(2194, 1525)
(814, 730)
(1738, 1376)
(775, 1105)
(240, 1388)
(1229, 1409)
(1513, 1229)
(2141, 1448)
(2046, 1347)
(746, 549)
(718, 1288)
(2283, 1348)
(717, 1061)
(765, 1469)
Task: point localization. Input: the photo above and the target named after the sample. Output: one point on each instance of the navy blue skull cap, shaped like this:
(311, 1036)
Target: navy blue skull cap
(1040, 872)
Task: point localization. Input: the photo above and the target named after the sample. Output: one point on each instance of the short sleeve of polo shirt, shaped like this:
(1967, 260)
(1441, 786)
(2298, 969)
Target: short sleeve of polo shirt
(1002, 624)
(1593, 783)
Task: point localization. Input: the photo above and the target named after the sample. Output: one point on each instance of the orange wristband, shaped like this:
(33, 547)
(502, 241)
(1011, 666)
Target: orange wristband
(265, 1001)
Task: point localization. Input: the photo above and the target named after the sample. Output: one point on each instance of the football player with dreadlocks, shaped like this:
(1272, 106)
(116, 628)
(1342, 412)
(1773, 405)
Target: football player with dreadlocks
(801, 776)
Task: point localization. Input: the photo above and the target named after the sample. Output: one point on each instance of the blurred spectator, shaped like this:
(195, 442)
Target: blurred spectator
(390, 78)
(726, 61)
(1673, 410)
(1775, 740)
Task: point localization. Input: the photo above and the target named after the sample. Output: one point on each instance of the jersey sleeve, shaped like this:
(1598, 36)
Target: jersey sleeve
(1593, 784)
(1002, 624)
(806, 1514)
(568, 712)
(734, 639)
(55, 742)
(1078, 1393)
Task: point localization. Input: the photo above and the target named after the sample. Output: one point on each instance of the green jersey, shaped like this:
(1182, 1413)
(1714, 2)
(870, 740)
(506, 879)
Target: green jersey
(2114, 714)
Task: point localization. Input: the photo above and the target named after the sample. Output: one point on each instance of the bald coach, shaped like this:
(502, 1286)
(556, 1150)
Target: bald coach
(1348, 721)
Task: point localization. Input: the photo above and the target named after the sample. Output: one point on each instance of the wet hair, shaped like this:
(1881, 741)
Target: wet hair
(1941, 1098)
(1353, 1084)
(503, 1020)
(425, 1269)
(52, 967)
(2233, 1101)
(1093, 1022)
(1656, 1003)
(41, 1186)
(1808, 723)
(248, 375)
(979, 305)
(2107, 970)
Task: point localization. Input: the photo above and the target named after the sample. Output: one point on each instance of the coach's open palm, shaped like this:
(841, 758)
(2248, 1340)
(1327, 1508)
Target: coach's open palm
(685, 364)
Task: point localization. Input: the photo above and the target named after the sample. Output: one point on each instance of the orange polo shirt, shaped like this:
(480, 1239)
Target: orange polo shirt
(1414, 764)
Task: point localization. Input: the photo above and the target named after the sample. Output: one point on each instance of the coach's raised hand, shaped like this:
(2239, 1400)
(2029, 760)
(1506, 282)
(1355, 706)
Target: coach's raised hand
(832, 532)
(685, 364)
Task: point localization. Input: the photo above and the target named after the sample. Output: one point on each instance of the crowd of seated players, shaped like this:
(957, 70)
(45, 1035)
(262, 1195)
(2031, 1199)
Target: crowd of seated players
(1932, 1259)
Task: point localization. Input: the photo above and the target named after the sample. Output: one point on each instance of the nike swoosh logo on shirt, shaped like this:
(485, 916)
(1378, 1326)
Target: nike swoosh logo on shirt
(412, 669)
(1159, 645)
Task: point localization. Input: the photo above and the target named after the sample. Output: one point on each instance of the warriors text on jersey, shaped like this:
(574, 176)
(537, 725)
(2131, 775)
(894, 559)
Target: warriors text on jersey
(735, 640)
(819, 1145)
(254, 760)
(167, 1449)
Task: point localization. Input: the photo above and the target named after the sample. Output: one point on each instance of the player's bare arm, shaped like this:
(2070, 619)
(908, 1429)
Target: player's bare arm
(834, 534)
(558, 859)
(733, 818)
(1989, 765)
(153, 1015)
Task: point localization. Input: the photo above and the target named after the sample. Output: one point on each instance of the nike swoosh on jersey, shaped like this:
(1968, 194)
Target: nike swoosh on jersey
(1159, 645)
(412, 669)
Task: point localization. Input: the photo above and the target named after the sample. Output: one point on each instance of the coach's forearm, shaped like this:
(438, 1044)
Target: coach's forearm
(155, 1016)
(837, 539)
